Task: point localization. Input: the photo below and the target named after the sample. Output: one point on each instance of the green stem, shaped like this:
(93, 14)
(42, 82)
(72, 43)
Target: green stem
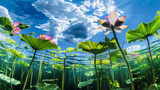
(75, 69)
(112, 74)
(63, 76)
(98, 86)
(29, 70)
(15, 57)
(130, 74)
(153, 71)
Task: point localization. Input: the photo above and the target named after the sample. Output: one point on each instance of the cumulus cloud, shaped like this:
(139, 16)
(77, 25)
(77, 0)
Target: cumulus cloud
(72, 22)
(133, 48)
(3, 37)
(4, 12)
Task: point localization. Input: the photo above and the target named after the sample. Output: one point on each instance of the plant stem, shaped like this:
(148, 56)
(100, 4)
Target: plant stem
(153, 71)
(29, 70)
(75, 69)
(98, 86)
(112, 74)
(63, 76)
(15, 57)
(130, 74)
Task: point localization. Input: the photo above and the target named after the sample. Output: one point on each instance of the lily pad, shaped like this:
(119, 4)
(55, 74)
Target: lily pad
(103, 62)
(9, 80)
(144, 30)
(39, 44)
(90, 73)
(85, 83)
(11, 41)
(22, 63)
(45, 86)
(16, 53)
(6, 23)
(92, 47)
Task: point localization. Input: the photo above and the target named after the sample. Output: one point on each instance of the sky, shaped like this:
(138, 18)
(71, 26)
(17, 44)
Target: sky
(72, 21)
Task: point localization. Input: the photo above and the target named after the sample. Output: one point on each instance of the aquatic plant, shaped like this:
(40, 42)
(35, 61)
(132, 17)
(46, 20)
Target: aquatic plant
(142, 33)
(37, 44)
(94, 48)
(113, 23)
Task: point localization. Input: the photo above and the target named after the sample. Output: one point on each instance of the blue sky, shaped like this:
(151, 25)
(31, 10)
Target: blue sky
(72, 21)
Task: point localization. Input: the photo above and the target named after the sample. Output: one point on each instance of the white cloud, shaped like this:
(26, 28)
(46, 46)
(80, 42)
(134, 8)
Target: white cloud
(4, 12)
(64, 15)
(133, 48)
(3, 37)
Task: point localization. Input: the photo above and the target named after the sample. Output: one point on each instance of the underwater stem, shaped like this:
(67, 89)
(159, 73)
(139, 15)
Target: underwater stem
(75, 69)
(153, 71)
(63, 76)
(29, 70)
(112, 74)
(130, 74)
(98, 86)
(15, 57)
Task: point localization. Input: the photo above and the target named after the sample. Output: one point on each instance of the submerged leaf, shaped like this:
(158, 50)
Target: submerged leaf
(22, 63)
(85, 83)
(9, 80)
(90, 73)
(45, 86)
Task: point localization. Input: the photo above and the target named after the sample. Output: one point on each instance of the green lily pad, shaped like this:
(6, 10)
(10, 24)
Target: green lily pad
(9, 80)
(45, 86)
(6, 23)
(49, 80)
(85, 83)
(90, 73)
(103, 62)
(39, 44)
(92, 47)
(116, 84)
(111, 44)
(11, 41)
(144, 30)
(16, 53)
(55, 66)
(57, 60)
(22, 63)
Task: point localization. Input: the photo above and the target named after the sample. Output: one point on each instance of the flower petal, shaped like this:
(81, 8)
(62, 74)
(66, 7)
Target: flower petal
(15, 24)
(123, 27)
(106, 17)
(102, 28)
(101, 21)
(107, 32)
(120, 21)
(113, 16)
(118, 31)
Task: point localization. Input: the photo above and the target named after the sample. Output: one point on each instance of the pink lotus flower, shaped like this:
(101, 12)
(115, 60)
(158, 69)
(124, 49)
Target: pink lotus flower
(134, 55)
(45, 37)
(112, 21)
(16, 29)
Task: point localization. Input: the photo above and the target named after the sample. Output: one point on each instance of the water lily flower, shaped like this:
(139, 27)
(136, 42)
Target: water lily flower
(112, 22)
(45, 37)
(16, 29)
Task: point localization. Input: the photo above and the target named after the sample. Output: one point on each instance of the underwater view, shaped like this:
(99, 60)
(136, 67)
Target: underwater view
(79, 45)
